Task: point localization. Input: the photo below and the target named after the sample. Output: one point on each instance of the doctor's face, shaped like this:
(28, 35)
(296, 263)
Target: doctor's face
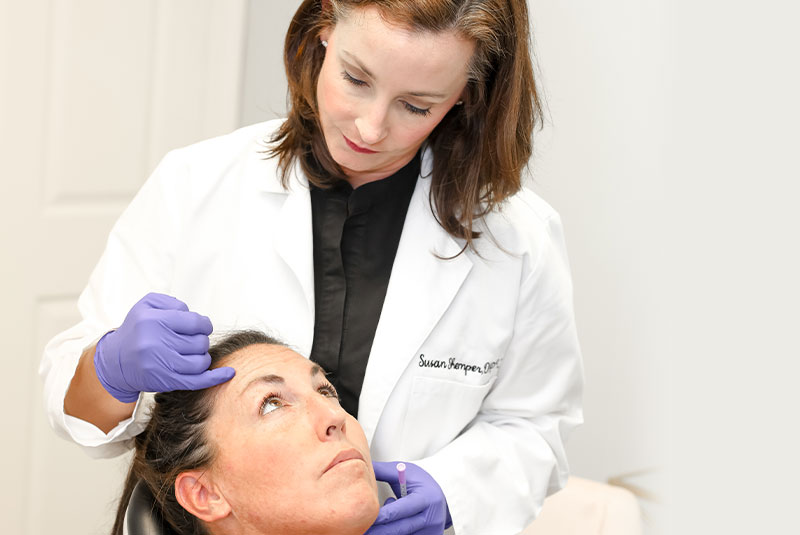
(383, 89)
(290, 459)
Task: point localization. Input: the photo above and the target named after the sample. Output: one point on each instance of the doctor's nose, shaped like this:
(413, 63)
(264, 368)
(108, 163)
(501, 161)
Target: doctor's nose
(328, 417)
(371, 125)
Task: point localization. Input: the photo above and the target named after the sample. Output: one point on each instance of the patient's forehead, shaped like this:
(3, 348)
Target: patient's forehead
(262, 359)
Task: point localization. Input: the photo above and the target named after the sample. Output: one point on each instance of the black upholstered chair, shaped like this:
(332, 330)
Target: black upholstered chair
(142, 516)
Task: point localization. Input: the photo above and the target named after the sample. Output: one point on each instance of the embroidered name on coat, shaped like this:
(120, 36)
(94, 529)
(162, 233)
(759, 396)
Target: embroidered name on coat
(453, 364)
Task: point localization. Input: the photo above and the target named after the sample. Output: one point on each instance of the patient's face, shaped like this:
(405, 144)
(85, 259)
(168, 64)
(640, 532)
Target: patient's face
(290, 459)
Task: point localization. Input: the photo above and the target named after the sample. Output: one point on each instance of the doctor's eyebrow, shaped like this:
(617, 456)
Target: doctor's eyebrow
(368, 73)
(359, 64)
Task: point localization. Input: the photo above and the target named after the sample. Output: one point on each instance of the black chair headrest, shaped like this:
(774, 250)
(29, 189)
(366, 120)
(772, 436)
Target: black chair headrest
(143, 516)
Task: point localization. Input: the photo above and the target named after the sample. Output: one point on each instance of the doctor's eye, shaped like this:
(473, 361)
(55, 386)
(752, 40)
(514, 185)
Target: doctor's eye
(270, 403)
(354, 81)
(417, 111)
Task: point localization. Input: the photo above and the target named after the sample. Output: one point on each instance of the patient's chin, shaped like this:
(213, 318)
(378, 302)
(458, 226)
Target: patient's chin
(349, 511)
(357, 523)
(356, 511)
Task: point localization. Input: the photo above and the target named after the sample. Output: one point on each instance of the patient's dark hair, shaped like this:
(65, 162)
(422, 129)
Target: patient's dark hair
(175, 441)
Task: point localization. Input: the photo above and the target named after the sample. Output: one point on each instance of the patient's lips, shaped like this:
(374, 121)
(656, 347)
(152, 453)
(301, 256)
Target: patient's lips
(345, 455)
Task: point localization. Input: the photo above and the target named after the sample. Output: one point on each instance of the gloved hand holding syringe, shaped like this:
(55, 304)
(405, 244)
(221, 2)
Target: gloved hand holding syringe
(421, 507)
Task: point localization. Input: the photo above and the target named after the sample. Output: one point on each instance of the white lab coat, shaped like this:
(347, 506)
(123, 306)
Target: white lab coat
(475, 371)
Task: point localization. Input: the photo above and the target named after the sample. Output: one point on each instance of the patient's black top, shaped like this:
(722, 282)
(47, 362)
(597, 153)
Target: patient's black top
(356, 234)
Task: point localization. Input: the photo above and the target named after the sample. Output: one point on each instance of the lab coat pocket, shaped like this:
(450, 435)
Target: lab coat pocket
(438, 411)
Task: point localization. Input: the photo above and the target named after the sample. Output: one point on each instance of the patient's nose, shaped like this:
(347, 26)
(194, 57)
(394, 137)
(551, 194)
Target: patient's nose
(329, 419)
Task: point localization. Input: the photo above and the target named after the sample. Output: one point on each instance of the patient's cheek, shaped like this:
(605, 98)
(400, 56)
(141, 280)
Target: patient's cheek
(370, 501)
(225, 463)
(371, 505)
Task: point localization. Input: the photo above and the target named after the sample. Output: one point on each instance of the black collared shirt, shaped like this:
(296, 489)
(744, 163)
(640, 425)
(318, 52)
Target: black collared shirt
(356, 234)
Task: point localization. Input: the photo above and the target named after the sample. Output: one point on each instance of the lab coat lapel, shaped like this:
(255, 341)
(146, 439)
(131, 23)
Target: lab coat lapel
(420, 290)
(294, 240)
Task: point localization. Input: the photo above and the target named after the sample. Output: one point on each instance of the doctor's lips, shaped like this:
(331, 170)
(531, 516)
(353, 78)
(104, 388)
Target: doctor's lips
(356, 147)
(345, 455)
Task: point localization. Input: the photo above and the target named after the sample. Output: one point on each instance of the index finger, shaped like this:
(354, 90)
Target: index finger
(163, 302)
(186, 322)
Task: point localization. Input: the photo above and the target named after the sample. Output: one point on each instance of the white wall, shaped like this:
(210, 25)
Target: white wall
(672, 156)
(264, 87)
(735, 303)
(92, 94)
(600, 162)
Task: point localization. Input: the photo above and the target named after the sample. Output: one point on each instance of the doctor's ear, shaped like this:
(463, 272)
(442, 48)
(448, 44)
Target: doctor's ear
(196, 493)
(324, 35)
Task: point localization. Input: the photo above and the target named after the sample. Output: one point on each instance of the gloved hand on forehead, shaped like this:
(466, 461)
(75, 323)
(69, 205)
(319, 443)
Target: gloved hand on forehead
(161, 346)
(422, 512)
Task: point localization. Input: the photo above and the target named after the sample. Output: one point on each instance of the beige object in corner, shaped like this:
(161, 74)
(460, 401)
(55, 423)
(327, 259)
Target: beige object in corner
(585, 507)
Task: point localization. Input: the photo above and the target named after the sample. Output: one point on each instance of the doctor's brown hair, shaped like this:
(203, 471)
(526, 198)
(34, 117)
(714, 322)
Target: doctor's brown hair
(175, 441)
(479, 148)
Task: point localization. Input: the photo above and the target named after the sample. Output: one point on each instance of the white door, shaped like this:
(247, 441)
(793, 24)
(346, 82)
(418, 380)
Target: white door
(92, 94)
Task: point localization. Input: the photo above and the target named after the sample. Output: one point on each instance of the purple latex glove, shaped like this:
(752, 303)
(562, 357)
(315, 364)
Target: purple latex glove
(422, 512)
(161, 346)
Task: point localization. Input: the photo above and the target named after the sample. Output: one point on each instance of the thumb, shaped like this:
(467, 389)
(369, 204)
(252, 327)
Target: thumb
(389, 500)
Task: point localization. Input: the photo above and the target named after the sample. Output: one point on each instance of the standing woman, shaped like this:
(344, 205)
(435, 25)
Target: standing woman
(382, 229)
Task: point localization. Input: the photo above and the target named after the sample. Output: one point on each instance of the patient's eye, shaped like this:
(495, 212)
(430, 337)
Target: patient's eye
(328, 390)
(270, 403)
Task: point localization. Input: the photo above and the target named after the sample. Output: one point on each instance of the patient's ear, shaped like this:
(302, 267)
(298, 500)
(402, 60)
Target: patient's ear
(196, 492)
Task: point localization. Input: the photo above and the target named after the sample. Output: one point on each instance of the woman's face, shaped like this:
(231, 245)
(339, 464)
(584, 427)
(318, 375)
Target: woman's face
(382, 89)
(290, 459)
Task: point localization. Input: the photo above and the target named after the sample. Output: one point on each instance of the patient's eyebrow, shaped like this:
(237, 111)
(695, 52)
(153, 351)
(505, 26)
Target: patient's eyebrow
(270, 379)
(273, 379)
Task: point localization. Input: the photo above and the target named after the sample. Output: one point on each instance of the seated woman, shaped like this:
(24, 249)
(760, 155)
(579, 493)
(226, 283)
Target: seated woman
(270, 451)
